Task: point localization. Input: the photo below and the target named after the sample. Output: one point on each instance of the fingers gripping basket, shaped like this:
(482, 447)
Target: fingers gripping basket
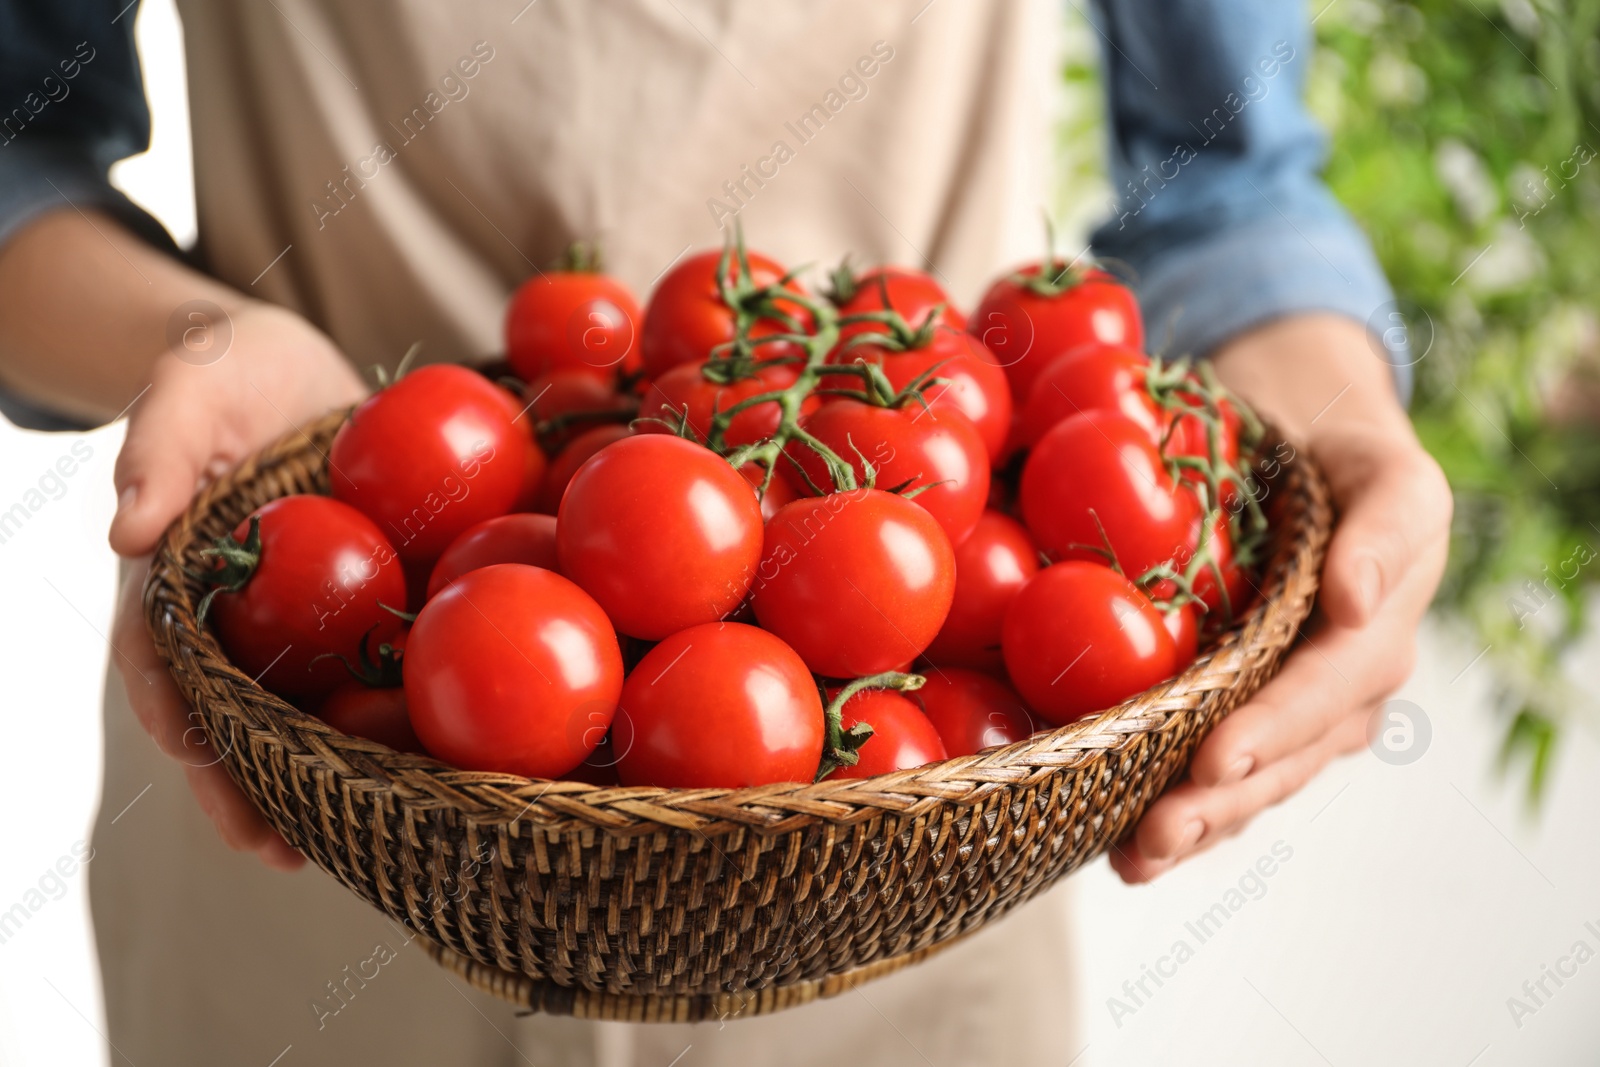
(660, 904)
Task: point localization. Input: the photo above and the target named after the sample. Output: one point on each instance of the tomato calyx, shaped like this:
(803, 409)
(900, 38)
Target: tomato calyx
(842, 283)
(751, 303)
(238, 562)
(376, 672)
(582, 257)
(841, 747)
(381, 373)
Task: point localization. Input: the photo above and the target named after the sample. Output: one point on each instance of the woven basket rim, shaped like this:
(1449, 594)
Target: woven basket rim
(490, 798)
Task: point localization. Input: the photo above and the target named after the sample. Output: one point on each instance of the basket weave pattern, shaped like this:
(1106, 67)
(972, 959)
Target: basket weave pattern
(645, 904)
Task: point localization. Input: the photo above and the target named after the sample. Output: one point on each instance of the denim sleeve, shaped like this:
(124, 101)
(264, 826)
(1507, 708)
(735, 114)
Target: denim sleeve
(1218, 205)
(71, 104)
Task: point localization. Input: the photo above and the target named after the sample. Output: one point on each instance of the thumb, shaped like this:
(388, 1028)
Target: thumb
(168, 448)
(1393, 503)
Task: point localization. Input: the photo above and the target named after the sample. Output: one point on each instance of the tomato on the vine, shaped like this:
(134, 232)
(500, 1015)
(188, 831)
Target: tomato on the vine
(902, 737)
(1081, 638)
(779, 491)
(685, 392)
(973, 711)
(565, 403)
(1094, 377)
(662, 532)
(687, 318)
(1096, 485)
(519, 538)
(938, 456)
(377, 713)
(1183, 623)
(311, 582)
(570, 458)
(513, 669)
(1029, 318)
(913, 295)
(721, 705)
(572, 320)
(857, 583)
(992, 564)
(430, 456)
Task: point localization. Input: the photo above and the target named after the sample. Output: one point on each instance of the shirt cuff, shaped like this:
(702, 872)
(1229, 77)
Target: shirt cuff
(44, 174)
(1197, 296)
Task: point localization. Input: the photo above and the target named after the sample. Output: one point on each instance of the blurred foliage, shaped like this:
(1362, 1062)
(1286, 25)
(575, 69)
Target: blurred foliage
(1465, 142)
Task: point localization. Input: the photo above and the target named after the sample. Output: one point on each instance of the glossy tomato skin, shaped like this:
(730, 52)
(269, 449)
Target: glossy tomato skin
(722, 705)
(779, 491)
(512, 669)
(973, 711)
(686, 318)
(376, 713)
(534, 461)
(902, 737)
(520, 538)
(992, 565)
(429, 456)
(1095, 377)
(663, 533)
(1183, 624)
(324, 570)
(570, 458)
(1100, 471)
(572, 320)
(565, 393)
(1024, 331)
(906, 445)
(913, 295)
(1081, 638)
(856, 583)
(685, 388)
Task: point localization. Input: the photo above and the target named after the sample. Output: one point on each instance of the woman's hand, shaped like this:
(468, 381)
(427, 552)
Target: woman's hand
(1317, 377)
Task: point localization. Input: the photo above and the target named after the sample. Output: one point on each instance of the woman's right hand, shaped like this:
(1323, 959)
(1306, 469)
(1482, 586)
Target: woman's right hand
(200, 417)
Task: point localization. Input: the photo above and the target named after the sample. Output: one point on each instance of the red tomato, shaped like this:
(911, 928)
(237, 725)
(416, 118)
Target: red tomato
(529, 539)
(512, 669)
(686, 317)
(1100, 471)
(1235, 582)
(1096, 377)
(909, 446)
(599, 768)
(1184, 626)
(1081, 638)
(857, 582)
(913, 295)
(779, 491)
(1190, 437)
(970, 384)
(533, 467)
(1025, 330)
(570, 458)
(973, 711)
(313, 587)
(720, 706)
(572, 320)
(429, 456)
(569, 395)
(685, 388)
(664, 534)
(902, 737)
(992, 564)
(377, 714)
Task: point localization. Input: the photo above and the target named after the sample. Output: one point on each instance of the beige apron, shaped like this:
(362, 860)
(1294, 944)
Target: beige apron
(392, 171)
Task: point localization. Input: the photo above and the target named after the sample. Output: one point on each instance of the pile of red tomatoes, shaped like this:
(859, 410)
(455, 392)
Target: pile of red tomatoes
(752, 534)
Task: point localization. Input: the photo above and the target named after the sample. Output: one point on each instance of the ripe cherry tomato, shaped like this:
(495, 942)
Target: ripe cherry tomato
(311, 587)
(572, 320)
(375, 713)
(992, 564)
(902, 737)
(568, 396)
(512, 669)
(1080, 638)
(570, 458)
(534, 464)
(663, 533)
(966, 380)
(1095, 377)
(429, 456)
(913, 295)
(686, 317)
(779, 491)
(721, 705)
(1189, 437)
(1100, 471)
(908, 446)
(1025, 330)
(973, 711)
(1183, 624)
(857, 583)
(529, 539)
(685, 388)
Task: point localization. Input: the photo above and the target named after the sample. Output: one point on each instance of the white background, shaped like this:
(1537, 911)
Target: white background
(1417, 899)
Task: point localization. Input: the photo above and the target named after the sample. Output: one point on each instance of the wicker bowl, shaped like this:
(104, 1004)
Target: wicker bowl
(676, 904)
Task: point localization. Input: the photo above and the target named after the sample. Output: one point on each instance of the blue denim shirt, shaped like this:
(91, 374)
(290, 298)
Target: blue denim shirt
(1219, 209)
